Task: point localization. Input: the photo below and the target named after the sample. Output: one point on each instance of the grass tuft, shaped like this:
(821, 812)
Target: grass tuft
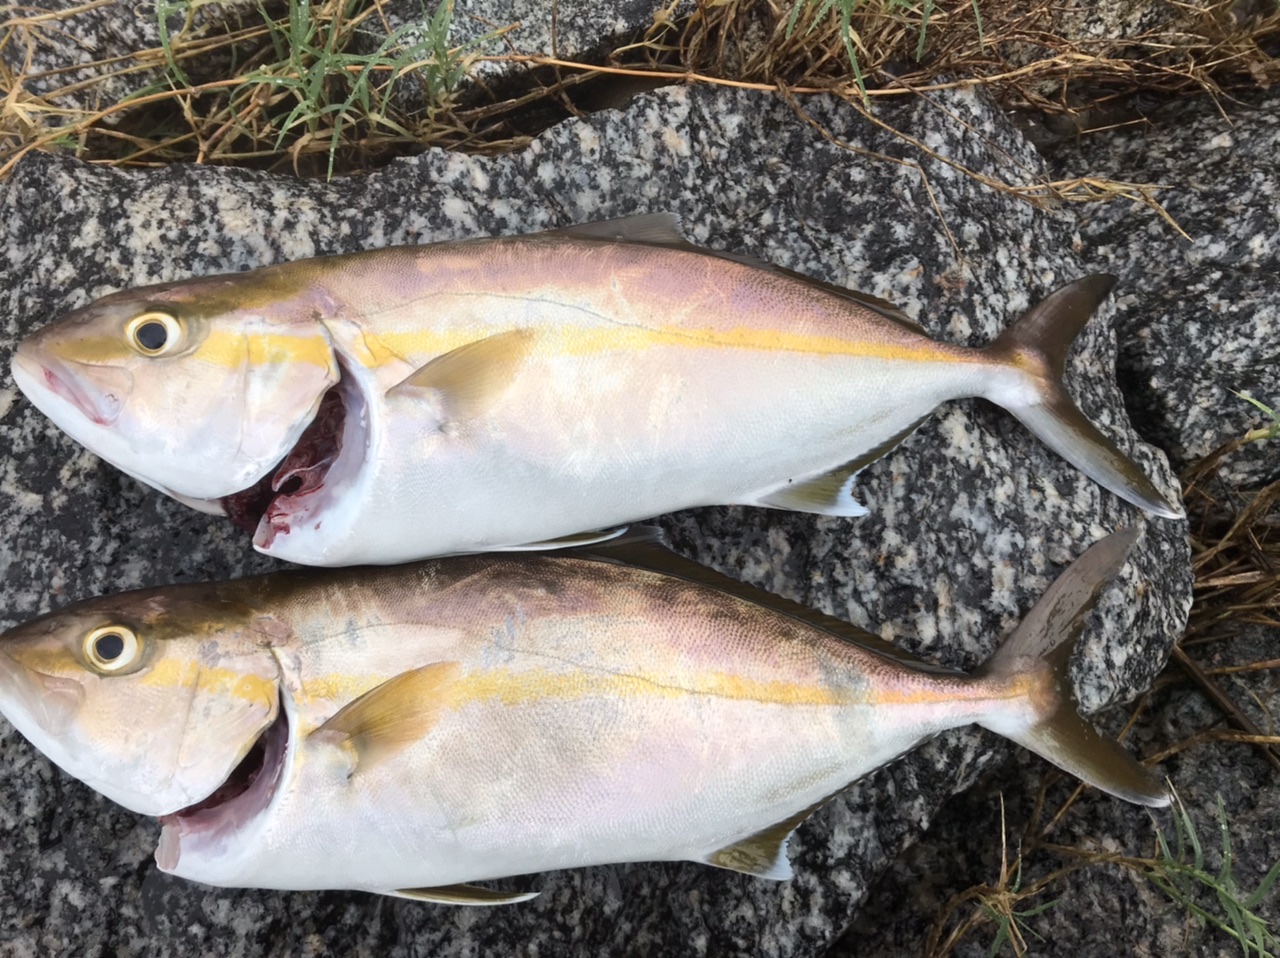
(299, 89)
(1263, 432)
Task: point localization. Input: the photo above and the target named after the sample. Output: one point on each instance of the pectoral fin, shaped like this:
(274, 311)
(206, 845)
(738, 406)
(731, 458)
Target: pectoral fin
(465, 895)
(764, 854)
(831, 493)
(471, 377)
(395, 714)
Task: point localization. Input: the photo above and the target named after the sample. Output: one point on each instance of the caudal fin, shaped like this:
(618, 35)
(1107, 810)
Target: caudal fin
(1034, 660)
(1037, 344)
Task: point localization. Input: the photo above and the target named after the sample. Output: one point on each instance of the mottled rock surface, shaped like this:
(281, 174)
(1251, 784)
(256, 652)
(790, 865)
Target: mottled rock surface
(970, 519)
(1199, 318)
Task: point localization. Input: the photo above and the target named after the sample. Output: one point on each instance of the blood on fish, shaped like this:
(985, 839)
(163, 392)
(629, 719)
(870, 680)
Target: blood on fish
(301, 471)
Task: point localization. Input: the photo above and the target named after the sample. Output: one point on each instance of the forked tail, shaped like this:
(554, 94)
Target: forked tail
(1032, 663)
(1037, 346)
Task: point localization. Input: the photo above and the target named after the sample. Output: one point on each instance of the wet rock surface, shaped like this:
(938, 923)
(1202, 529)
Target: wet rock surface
(971, 518)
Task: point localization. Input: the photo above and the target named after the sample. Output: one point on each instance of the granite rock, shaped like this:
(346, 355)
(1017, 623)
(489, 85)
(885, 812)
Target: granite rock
(970, 520)
(1200, 318)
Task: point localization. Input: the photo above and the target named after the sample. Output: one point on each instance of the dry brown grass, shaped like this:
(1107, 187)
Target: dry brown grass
(1024, 53)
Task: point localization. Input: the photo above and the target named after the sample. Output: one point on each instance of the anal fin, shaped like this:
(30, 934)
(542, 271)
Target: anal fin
(571, 541)
(465, 895)
(831, 493)
(764, 854)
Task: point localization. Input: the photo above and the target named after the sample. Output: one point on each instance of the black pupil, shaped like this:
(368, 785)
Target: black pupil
(152, 336)
(108, 647)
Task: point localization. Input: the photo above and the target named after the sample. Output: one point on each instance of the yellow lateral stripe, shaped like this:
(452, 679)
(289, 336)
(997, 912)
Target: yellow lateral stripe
(228, 346)
(222, 347)
(1017, 688)
(47, 661)
(165, 673)
(522, 686)
(340, 688)
(168, 673)
(584, 341)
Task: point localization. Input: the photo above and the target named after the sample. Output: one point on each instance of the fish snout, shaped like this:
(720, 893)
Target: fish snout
(98, 392)
(37, 704)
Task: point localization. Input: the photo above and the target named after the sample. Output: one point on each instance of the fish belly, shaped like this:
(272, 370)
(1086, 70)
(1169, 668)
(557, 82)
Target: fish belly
(513, 794)
(580, 444)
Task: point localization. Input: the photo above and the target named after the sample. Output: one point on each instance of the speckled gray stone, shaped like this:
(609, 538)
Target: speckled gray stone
(970, 519)
(1201, 318)
(962, 849)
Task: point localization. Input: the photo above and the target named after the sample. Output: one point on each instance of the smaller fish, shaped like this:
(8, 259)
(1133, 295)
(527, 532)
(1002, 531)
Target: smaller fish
(412, 730)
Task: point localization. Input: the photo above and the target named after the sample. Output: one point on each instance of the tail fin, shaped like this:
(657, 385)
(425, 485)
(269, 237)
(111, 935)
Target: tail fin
(1036, 656)
(1038, 344)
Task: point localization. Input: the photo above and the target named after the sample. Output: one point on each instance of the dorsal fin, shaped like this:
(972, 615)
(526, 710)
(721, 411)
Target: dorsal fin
(645, 547)
(653, 229)
(393, 715)
(464, 895)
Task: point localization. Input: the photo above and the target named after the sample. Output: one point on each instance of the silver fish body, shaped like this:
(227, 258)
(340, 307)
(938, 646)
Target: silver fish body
(503, 393)
(411, 730)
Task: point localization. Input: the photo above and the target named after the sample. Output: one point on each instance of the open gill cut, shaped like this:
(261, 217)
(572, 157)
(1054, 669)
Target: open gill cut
(301, 471)
(247, 790)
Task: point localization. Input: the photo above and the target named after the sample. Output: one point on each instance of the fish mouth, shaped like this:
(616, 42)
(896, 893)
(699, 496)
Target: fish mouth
(295, 490)
(101, 407)
(212, 823)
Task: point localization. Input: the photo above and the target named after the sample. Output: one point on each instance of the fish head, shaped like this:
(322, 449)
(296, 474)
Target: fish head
(159, 700)
(197, 388)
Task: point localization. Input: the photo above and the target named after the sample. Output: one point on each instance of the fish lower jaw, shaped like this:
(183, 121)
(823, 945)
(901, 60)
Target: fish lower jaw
(203, 839)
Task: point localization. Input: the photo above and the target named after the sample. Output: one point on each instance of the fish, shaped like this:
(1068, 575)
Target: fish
(414, 730)
(506, 393)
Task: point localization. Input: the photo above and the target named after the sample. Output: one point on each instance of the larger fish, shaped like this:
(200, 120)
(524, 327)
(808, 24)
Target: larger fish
(411, 730)
(416, 401)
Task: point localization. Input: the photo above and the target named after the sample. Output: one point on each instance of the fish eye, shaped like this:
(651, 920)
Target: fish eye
(112, 648)
(153, 333)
